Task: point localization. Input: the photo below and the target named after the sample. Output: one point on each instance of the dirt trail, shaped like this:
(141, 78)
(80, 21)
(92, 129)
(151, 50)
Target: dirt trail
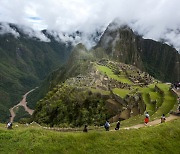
(152, 123)
(22, 103)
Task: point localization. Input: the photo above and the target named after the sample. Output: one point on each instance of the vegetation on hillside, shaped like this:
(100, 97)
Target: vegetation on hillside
(20, 113)
(70, 106)
(24, 63)
(91, 91)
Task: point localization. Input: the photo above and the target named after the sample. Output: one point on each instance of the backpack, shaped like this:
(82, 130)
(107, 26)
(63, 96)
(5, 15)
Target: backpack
(107, 125)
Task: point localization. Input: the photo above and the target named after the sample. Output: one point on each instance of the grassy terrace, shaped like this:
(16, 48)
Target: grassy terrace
(143, 140)
(155, 96)
(103, 92)
(150, 107)
(169, 101)
(122, 78)
(121, 92)
(164, 103)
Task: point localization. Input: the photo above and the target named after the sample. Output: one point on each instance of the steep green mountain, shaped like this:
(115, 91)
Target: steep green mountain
(158, 59)
(24, 63)
(88, 89)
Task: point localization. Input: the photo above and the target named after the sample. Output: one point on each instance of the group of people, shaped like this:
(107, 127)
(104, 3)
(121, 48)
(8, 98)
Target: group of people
(107, 125)
(147, 118)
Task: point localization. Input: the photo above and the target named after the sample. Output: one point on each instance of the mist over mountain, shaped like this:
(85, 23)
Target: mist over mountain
(153, 19)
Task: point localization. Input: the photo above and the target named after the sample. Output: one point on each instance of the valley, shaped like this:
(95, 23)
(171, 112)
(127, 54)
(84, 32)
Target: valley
(24, 64)
(22, 103)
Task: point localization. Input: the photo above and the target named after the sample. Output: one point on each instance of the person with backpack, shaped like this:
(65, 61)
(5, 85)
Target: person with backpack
(147, 115)
(117, 126)
(9, 125)
(107, 125)
(163, 118)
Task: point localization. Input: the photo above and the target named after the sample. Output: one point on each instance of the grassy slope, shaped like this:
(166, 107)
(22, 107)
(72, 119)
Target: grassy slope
(164, 138)
(121, 92)
(146, 95)
(168, 102)
(110, 74)
(103, 92)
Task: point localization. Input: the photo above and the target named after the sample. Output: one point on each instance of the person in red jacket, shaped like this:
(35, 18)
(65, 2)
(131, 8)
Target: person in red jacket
(146, 120)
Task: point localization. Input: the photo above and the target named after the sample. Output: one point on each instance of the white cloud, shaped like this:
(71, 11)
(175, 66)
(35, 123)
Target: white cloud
(5, 28)
(151, 18)
(33, 33)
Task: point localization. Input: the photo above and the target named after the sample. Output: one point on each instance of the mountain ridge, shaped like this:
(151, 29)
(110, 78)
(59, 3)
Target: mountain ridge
(122, 44)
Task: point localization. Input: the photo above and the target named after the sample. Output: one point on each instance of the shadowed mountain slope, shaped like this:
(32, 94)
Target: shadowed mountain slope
(24, 63)
(158, 59)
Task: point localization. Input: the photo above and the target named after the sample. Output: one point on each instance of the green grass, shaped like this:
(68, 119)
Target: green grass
(122, 78)
(147, 99)
(163, 87)
(155, 96)
(169, 101)
(163, 138)
(103, 92)
(164, 103)
(149, 106)
(139, 119)
(121, 92)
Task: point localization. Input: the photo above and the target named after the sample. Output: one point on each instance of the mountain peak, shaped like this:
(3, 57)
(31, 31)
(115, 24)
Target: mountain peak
(122, 44)
(116, 25)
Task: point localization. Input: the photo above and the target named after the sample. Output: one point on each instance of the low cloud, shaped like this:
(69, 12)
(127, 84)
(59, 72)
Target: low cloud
(33, 33)
(150, 18)
(5, 28)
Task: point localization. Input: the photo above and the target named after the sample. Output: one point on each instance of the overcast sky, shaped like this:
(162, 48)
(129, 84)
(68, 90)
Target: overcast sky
(152, 18)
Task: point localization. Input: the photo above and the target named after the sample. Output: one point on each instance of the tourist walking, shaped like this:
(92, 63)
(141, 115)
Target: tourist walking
(117, 126)
(9, 125)
(146, 120)
(85, 129)
(107, 125)
(163, 118)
